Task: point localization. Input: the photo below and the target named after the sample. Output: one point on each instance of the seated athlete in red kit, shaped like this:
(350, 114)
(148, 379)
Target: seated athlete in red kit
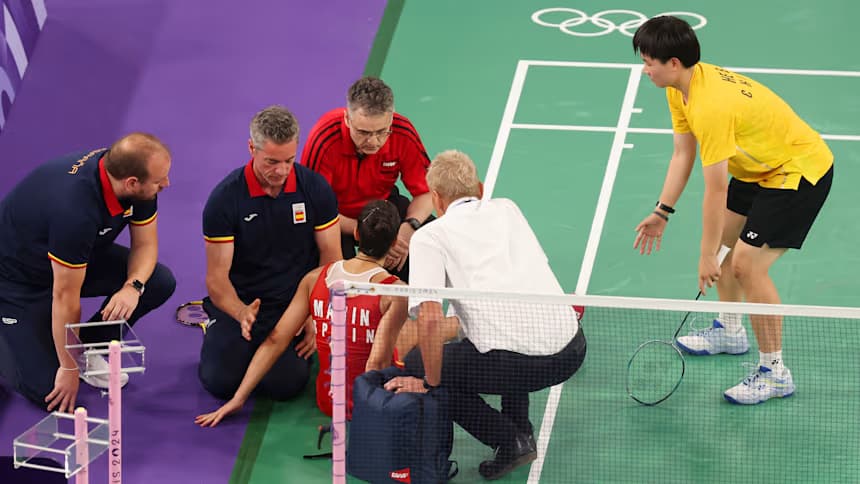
(373, 322)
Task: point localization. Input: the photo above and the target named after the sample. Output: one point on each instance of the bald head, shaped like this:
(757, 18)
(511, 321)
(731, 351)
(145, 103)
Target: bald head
(131, 155)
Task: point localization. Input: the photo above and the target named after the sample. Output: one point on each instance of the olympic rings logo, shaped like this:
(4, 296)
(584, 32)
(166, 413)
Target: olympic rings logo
(604, 25)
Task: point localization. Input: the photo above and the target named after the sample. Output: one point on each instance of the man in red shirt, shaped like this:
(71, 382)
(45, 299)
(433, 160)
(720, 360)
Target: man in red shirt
(362, 150)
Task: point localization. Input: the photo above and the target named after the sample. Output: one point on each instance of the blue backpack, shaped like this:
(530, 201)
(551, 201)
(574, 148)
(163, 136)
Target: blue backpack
(399, 437)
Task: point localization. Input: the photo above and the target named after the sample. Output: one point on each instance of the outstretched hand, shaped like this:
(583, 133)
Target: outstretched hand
(212, 419)
(649, 234)
(247, 317)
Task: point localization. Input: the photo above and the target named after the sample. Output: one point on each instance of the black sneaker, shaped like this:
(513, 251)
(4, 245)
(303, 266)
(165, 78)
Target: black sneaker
(508, 457)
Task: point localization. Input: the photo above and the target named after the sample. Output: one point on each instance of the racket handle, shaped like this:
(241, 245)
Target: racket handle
(722, 253)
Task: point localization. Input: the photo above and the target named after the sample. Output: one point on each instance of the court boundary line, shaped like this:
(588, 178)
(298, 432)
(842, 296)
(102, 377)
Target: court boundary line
(618, 145)
(610, 129)
(507, 122)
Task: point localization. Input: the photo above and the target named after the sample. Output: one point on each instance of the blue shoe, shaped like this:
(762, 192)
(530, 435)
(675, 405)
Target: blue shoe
(714, 340)
(761, 385)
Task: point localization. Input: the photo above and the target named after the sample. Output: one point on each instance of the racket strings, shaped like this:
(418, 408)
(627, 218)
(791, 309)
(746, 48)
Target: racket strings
(654, 372)
(193, 314)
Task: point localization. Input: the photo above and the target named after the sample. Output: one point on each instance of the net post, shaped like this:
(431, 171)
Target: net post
(114, 415)
(338, 382)
(82, 446)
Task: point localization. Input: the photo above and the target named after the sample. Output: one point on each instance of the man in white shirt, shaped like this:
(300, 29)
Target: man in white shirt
(511, 348)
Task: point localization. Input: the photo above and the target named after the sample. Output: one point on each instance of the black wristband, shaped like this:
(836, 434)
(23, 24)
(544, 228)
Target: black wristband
(662, 206)
(661, 215)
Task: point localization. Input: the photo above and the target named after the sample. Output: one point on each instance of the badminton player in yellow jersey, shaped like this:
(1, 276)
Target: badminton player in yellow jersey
(781, 171)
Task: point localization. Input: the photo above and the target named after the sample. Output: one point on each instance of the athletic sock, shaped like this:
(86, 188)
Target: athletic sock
(772, 361)
(731, 321)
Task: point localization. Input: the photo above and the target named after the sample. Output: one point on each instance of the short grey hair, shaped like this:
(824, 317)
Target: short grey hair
(370, 95)
(453, 175)
(276, 124)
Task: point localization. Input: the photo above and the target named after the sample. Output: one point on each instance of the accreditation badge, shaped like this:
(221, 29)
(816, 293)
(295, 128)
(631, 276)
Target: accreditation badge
(299, 215)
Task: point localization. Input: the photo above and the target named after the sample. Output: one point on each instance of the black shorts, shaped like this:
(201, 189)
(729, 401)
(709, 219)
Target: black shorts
(777, 217)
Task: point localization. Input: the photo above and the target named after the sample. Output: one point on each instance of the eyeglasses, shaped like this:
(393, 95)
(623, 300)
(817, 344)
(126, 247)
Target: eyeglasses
(381, 135)
(365, 135)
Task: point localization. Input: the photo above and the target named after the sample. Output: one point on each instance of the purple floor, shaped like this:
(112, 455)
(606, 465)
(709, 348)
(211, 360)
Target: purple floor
(193, 72)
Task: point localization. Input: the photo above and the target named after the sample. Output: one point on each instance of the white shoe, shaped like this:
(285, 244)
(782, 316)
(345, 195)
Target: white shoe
(714, 340)
(761, 385)
(97, 363)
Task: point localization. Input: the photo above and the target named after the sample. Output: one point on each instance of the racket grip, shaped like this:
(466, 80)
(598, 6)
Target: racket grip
(723, 252)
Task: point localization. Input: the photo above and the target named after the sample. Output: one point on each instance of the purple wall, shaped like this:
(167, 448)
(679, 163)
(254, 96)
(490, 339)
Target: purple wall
(21, 22)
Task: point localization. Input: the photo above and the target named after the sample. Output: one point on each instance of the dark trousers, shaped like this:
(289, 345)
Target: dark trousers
(225, 356)
(467, 373)
(28, 358)
(348, 243)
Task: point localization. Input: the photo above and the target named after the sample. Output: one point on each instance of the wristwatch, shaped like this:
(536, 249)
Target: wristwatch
(428, 386)
(138, 286)
(413, 222)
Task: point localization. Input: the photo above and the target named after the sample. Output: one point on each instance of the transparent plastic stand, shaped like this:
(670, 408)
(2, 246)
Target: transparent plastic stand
(132, 350)
(53, 441)
(65, 443)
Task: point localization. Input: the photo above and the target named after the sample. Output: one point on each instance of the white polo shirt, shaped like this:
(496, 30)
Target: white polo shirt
(489, 245)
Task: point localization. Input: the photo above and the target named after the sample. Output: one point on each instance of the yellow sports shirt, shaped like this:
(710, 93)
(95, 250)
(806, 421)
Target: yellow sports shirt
(734, 117)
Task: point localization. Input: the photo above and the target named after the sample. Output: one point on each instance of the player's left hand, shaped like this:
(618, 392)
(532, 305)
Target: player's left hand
(649, 233)
(121, 304)
(403, 384)
(212, 419)
(709, 271)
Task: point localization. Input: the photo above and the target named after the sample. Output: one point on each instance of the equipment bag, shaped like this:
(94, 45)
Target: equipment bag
(399, 437)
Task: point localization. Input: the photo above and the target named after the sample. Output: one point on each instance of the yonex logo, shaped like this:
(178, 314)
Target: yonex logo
(388, 164)
(105, 230)
(250, 217)
(600, 22)
(9, 320)
(752, 235)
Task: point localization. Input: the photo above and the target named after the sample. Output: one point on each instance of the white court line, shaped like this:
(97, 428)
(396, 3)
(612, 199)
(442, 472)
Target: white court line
(612, 129)
(752, 70)
(597, 222)
(505, 129)
(618, 143)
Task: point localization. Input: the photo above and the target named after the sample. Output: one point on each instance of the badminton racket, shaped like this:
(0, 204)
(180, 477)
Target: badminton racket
(193, 314)
(657, 367)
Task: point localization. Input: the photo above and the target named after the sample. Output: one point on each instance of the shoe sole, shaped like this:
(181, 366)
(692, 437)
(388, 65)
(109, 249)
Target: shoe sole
(100, 386)
(525, 459)
(708, 353)
(738, 402)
